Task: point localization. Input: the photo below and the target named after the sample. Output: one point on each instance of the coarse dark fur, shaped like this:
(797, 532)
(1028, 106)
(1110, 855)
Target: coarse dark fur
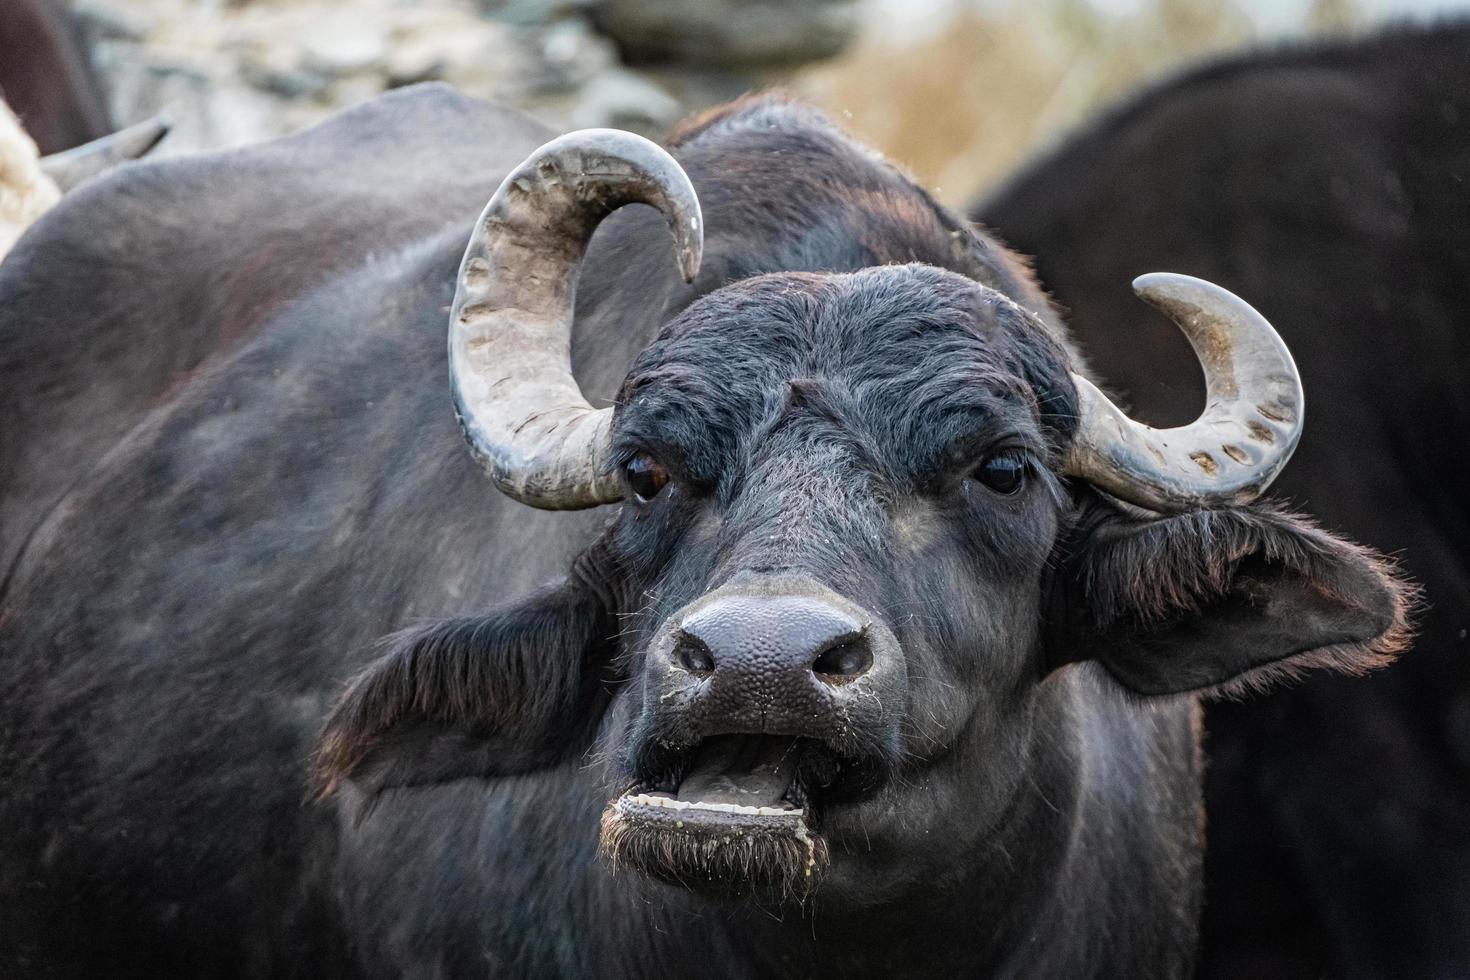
(1329, 185)
(46, 77)
(230, 467)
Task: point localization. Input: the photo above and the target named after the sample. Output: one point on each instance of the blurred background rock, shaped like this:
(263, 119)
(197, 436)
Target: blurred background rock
(959, 91)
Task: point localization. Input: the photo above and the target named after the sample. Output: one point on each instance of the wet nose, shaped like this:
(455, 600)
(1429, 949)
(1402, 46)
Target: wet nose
(772, 636)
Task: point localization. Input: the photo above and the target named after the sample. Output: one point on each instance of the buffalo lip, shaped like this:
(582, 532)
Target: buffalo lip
(733, 814)
(699, 807)
(729, 847)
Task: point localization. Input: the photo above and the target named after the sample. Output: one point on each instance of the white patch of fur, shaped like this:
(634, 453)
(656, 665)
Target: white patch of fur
(25, 192)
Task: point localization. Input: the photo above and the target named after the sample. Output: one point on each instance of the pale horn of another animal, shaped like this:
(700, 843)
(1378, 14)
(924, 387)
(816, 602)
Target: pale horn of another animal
(71, 167)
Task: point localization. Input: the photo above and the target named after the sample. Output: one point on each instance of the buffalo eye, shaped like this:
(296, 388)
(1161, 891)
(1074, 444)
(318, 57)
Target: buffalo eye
(1003, 472)
(646, 476)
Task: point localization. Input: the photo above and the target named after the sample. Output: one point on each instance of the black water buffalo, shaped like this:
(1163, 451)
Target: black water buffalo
(45, 75)
(881, 658)
(1331, 185)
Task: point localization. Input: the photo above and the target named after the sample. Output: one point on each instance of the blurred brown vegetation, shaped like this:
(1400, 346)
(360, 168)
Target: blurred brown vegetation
(963, 99)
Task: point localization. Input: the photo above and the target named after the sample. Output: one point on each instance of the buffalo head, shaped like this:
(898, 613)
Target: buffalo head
(867, 526)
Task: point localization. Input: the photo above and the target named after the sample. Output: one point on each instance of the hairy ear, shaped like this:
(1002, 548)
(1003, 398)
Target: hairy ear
(518, 689)
(1221, 601)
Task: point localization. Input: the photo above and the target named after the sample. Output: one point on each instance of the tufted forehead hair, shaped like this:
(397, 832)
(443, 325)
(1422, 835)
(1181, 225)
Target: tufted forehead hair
(903, 346)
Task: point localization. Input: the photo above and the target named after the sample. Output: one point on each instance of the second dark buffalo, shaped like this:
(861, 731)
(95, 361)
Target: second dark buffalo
(1330, 184)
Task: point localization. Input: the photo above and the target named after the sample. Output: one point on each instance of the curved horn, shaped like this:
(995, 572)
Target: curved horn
(511, 325)
(70, 167)
(1251, 423)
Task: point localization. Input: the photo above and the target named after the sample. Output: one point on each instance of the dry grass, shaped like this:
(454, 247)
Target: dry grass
(964, 103)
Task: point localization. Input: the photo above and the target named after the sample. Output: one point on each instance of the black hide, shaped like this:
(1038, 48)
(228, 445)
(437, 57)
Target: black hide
(1330, 185)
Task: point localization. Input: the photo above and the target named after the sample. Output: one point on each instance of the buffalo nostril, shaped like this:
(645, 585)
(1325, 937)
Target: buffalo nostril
(694, 656)
(844, 661)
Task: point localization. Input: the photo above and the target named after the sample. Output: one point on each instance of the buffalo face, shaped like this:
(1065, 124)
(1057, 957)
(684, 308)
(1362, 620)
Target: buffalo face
(841, 549)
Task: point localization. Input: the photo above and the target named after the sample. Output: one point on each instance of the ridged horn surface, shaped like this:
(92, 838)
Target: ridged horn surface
(1250, 426)
(510, 328)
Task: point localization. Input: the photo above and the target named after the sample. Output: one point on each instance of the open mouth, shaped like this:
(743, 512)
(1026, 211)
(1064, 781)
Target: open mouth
(742, 775)
(734, 813)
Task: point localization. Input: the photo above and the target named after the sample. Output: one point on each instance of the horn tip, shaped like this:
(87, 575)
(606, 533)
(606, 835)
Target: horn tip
(1153, 283)
(689, 261)
(151, 132)
(688, 229)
